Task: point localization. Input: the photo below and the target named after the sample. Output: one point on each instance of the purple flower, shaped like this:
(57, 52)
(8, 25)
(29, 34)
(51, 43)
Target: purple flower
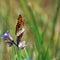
(28, 59)
(7, 35)
(25, 59)
(22, 45)
(9, 40)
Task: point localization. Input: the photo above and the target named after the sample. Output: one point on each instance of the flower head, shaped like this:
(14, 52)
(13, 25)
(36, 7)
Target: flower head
(28, 59)
(22, 44)
(25, 59)
(9, 40)
(5, 35)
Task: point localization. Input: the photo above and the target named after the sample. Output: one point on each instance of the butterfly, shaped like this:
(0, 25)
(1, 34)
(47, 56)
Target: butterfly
(19, 30)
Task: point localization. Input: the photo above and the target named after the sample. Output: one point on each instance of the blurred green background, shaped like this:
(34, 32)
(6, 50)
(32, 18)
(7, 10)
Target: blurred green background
(42, 31)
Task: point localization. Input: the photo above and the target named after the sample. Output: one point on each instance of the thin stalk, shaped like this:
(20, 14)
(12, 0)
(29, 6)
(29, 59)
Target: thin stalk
(54, 23)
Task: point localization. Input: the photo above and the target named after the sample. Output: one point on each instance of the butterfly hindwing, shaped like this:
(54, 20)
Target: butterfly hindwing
(19, 38)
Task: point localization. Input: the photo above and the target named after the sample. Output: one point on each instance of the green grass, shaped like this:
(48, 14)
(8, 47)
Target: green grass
(39, 50)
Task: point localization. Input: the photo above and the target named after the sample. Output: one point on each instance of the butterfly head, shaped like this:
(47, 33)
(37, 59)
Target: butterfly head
(20, 17)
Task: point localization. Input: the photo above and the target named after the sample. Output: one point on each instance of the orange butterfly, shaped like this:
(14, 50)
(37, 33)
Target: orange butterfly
(19, 29)
(20, 23)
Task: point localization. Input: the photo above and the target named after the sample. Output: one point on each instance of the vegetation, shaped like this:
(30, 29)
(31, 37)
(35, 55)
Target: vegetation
(42, 31)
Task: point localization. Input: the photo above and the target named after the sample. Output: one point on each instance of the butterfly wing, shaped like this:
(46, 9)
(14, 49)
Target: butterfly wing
(19, 24)
(19, 29)
(19, 39)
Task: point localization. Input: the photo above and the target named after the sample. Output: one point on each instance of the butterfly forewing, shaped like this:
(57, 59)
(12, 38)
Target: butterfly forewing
(20, 23)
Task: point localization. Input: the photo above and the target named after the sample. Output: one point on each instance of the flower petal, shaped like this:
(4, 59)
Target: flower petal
(10, 37)
(28, 59)
(22, 44)
(5, 35)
